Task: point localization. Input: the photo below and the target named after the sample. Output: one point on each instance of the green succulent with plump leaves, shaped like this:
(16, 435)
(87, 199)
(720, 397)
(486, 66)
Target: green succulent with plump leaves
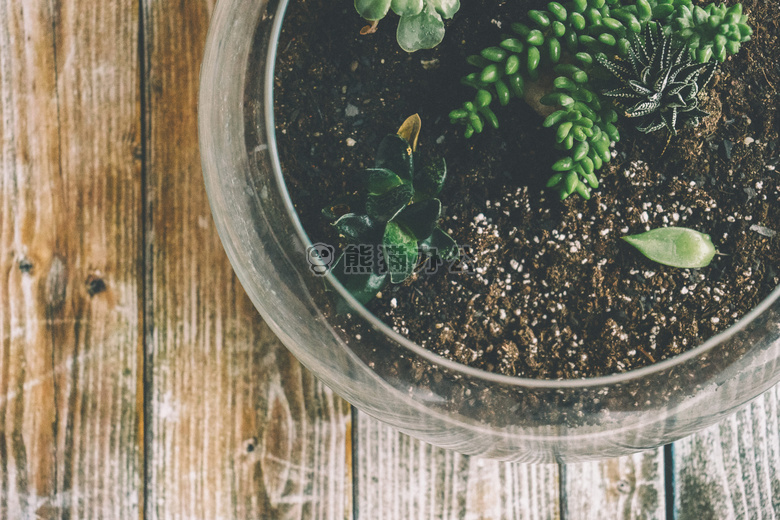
(563, 41)
(421, 24)
(709, 32)
(660, 82)
(584, 131)
(399, 217)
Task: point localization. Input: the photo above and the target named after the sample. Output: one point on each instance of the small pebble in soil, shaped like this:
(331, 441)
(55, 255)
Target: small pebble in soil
(351, 110)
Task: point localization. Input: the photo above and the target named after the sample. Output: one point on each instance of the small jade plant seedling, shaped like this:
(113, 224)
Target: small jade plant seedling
(420, 25)
(675, 246)
(559, 61)
(399, 221)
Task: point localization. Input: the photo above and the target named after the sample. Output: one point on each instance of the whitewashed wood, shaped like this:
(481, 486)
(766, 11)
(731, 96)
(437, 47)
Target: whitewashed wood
(398, 477)
(235, 427)
(629, 487)
(732, 469)
(70, 199)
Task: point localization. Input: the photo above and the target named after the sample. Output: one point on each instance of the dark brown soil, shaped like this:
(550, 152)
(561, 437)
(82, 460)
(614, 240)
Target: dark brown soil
(557, 294)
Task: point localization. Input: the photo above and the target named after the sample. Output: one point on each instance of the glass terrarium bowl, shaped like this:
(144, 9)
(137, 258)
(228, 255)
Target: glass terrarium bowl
(386, 375)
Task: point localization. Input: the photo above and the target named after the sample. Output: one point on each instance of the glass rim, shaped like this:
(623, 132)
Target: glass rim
(378, 325)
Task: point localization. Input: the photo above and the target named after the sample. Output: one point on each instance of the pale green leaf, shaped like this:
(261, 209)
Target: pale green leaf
(446, 8)
(421, 31)
(675, 246)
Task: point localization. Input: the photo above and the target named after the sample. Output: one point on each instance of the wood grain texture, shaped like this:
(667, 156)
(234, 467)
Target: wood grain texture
(629, 487)
(235, 427)
(70, 200)
(400, 478)
(732, 470)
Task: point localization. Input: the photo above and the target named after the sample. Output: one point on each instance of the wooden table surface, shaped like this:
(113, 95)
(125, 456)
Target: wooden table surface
(138, 381)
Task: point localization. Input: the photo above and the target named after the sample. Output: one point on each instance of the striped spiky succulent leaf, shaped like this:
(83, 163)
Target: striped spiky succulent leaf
(660, 83)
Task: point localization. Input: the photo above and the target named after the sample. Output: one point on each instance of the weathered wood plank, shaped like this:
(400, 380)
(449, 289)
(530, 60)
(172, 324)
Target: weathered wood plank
(629, 487)
(235, 427)
(70, 195)
(732, 469)
(398, 477)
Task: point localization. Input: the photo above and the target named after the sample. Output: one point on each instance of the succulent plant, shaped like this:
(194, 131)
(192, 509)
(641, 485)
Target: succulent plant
(399, 221)
(713, 31)
(660, 84)
(562, 42)
(675, 246)
(584, 131)
(420, 25)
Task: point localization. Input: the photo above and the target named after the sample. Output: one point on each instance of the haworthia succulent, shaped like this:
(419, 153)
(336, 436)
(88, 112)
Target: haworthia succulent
(660, 86)
(400, 215)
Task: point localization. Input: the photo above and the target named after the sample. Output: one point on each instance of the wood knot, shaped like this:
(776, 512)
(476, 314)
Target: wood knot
(250, 445)
(95, 284)
(25, 265)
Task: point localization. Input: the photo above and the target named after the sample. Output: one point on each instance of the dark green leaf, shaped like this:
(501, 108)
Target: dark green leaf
(342, 205)
(395, 154)
(381, 180)
(400, 252)
(429, 176)
(440, 244)
(362, 286)
(420, 218)
(386, 206)
(359, 229)
(675, 246)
